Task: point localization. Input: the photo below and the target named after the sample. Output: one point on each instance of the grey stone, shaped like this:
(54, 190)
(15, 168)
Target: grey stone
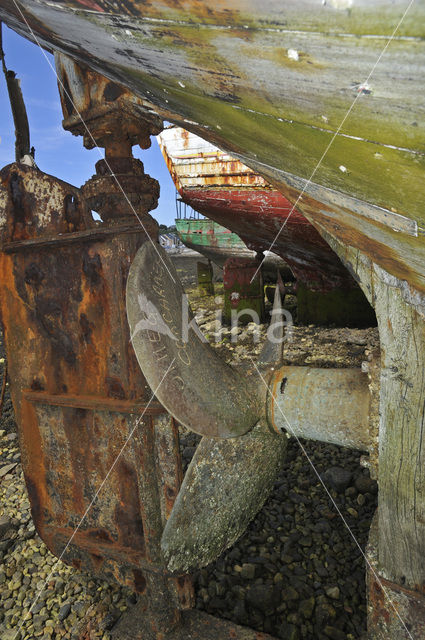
(5, 525)
(263, 597)
(39, 620)
(248, 571)
(7, 468)
(288, 632)
(64, 611)
(364, 484)
(333, 592)
(306, 608)
(8, 604)
(337, 478)
(334, 634)
(323, 613)
(11, 634)
(289, 593)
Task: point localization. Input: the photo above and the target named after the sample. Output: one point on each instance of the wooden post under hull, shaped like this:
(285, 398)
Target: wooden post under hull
(400, 537)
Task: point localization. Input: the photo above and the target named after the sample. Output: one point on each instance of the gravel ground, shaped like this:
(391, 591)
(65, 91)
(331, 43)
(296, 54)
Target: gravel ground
(296, 573)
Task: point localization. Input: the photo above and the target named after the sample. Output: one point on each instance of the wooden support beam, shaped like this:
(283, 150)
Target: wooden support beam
(401, 514)
(400, 311)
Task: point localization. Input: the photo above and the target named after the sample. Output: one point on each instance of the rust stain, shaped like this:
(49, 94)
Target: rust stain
(76, 385)
(232, 194)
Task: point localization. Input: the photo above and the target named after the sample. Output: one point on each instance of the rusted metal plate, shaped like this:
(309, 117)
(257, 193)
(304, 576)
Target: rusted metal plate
(195, 625)
(3, 203)
(95, 403)
(98, 109)
(77, 388)
(189, 378)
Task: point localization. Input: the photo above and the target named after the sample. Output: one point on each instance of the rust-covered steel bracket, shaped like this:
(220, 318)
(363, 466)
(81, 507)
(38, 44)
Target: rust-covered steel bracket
(78, 391)
(103, 112)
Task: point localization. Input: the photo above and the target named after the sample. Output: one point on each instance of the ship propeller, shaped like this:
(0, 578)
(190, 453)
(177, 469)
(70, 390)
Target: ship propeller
(238, 458)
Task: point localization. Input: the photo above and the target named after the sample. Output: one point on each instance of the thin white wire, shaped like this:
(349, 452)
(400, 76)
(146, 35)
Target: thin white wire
(271, 246)
(92, 501)
(291, 431)
(336, 133)
(91, 136)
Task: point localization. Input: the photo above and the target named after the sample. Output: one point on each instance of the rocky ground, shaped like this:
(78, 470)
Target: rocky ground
(297, 573)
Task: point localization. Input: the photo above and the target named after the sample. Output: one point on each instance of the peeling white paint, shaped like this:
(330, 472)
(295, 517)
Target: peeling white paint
(364, 88)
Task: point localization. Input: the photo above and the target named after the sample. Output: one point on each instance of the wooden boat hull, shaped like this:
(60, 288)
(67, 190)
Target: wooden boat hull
(225, 190)
(225, 72)
(218, 244)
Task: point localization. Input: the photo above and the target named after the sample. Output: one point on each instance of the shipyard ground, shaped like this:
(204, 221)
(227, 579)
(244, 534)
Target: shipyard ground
(297, 573)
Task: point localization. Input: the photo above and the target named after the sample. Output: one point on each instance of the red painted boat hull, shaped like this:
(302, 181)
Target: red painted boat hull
(263, 216)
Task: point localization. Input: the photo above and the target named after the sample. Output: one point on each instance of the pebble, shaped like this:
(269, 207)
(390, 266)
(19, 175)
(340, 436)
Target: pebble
(64, 611)
(338, 478)
(333, 592)
(7, 468)
(365, 484)
(248, 571)
(334, 634)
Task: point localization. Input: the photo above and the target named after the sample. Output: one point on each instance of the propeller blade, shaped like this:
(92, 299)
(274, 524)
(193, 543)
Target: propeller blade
(225, 486)
(190, 380)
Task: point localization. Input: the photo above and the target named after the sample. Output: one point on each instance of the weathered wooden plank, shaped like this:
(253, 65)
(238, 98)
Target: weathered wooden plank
(332, 16)
(400, 313)
(197, 65)
(251, 69)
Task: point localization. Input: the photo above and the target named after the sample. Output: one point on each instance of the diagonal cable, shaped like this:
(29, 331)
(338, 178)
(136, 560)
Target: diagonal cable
(36, 40)
(93, 500)
(311, 463)
(387, 44)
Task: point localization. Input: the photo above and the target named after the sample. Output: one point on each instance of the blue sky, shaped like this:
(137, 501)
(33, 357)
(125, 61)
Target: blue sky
(57, 151)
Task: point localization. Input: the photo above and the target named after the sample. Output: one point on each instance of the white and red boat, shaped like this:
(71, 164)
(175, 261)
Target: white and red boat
(225, 190)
